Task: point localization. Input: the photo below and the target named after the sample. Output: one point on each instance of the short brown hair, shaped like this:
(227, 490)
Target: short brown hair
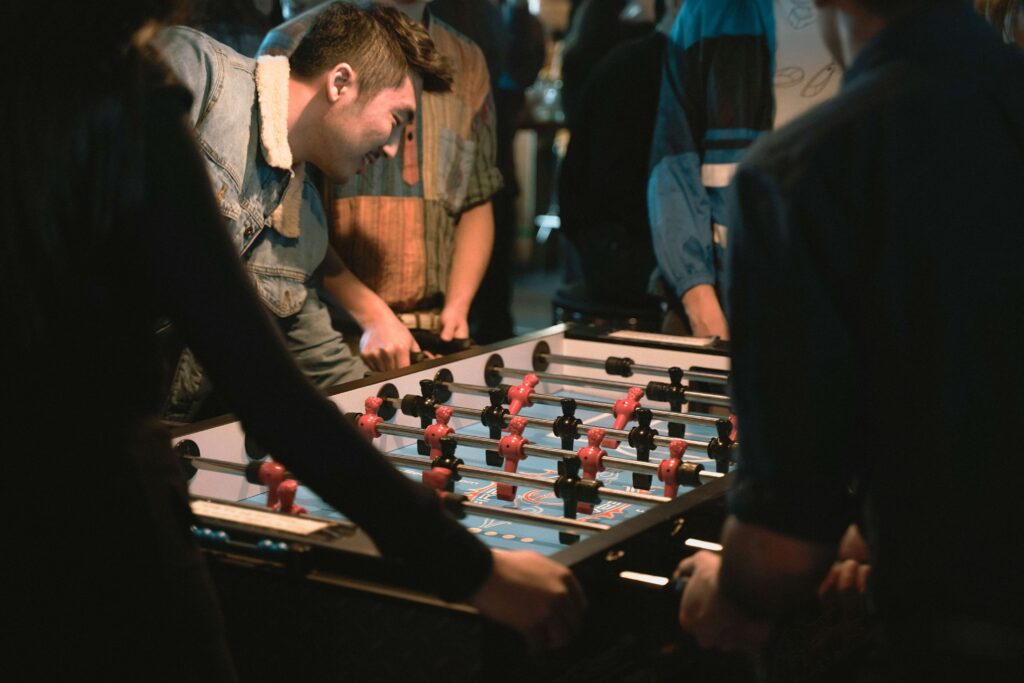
(382, 45)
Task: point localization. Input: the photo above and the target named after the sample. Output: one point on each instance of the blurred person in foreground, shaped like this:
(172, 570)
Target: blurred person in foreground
(878, 243)
(112, 224)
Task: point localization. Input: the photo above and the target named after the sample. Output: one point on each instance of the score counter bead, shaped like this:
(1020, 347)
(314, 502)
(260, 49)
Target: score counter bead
(269, 546)
(207, 534)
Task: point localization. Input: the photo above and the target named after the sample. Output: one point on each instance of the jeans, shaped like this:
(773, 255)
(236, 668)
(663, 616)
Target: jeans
(317, 348)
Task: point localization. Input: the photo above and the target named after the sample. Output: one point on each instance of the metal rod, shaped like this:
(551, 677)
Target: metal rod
(690, 375)
(561, 523)
(567, 379)
(529, 449)
(712, 399)
(599, 406)
(695, 375)
(532, 482)
(213, 465)
(539, 422)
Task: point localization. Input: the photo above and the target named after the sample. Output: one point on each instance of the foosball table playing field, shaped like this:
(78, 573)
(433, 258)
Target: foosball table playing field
(607, 451)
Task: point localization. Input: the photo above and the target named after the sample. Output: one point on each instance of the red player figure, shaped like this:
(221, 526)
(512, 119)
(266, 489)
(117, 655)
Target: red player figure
(623, 410)
(286, 498)
(437, 478)
(591, 458)
(271, 475)
(734, 435)
(369, 420)
(432, 434)
(669, 467)
(511, 448)
(521, 395)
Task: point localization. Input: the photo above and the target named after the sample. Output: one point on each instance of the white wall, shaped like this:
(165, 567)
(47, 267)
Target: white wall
(805, 73)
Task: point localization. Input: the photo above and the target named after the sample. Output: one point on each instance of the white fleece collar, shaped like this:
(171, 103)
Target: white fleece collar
(272, 94)
(287, 216)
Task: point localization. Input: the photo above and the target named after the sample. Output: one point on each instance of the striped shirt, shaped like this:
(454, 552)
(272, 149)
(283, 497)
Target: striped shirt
(394, 224)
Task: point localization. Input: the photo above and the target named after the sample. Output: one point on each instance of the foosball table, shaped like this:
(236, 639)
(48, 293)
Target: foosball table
(606, 450)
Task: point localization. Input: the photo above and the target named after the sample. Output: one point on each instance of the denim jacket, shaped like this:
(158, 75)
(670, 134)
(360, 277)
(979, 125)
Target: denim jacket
(272, 211)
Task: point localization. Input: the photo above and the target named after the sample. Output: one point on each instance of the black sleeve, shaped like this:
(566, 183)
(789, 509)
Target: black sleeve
(794, 361)
(186, 257)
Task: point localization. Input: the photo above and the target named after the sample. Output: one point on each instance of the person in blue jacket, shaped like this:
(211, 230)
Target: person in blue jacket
(716, 98)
